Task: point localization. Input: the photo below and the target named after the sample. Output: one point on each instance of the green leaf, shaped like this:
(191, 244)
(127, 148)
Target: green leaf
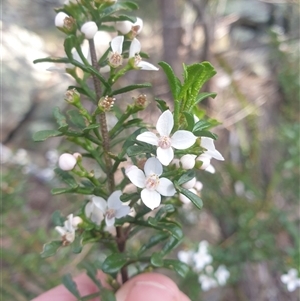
(174, 82)
(161, 104)
(168, 208)
(69, 44)
(50, 248)
(154, 240)
(171, 244)
(190, 121)
(129, 6)
(66, 177)
(135, 150)
(190, 195)
(70, 285)
(205, 134)
(45, 134)
(171, 228)
(187, 176)
(107, 295)
(157, 259)
(201, 125)
(114, 263)
(79, 190)
(204, 95)
(77, 245)
(130, 88)
(60, 119)
(57, 218)
(51, 59)
(118, 18)
(90, 127)
(181, 268)
(76, 118)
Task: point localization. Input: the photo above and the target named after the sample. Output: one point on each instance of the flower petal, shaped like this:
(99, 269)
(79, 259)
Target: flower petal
(114, 202)
(208, 144)
(166, 187)
(117, 44)
(109, 221)
(122, 211)
(100, 203)
(183, 139)
(165, 156)
(137, 177)
(150, 198)
(152, 165)
(165, 123)
(135, 47)
(148, 137)
(147, 66)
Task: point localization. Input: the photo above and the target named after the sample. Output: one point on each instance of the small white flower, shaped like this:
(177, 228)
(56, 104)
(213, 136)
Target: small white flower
(134, 50)
(198, 186)
(208, 144)
(207, 282)
(202, 257)
(112, 208)
(125, 27)
(186, 257)
(89, 29)
(68, 230)
(115, 58)
(189, 184)
(188, 161)
(67, 162)
(153, 186)
(59, 19)
(291, 280)
(222, 275)
(179, 140)
(93, 213)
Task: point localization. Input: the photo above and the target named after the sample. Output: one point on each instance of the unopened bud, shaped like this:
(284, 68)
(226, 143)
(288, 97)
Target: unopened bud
(188, 161)
(124, 27)
(106, 103)
(77, 156)
(72, 96)
(89, 29)
(129, 28)
(137, 26)
(189, 184)
(67, 162)
(205, 161)
(60, 18)
(76, 221)
(141, 100)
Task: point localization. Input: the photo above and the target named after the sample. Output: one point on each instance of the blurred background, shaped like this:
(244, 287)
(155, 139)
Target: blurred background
(251, 204)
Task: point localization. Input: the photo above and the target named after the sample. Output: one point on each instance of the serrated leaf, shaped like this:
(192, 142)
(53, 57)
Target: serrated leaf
(57, 218)
(45, 134)
(70, 285)
(181, 268)
(154, 240)
(76, 118)
(204, 95)
(161, 104)
(186, 177)
(60, 119)
(173, 81)
(66, 177)
(130, 88)
(50, 248)
(157, 259)
(205, 134)
(195, 199)
(114, 263)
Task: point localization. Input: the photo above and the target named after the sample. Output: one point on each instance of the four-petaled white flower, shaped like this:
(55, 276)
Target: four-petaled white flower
(222, 274)
(112, 208)
(179, 140)
(207, 282)
(115, 58)
(291, 280)
(208, 144)
(202, 256)
(68, 230)
(153, 186)
(134, 50)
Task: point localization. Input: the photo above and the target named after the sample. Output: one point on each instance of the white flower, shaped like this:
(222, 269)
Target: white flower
(153, 186)
(186, 257)
(134, 50)
(68, 230)
(207, 282)
(112, 208)
(291, 280)
(59, 19)
(125, 27)
(67, 162)
(93, 213)
(222, 275)
(202, 257)
(188, 161)
(208, 144)
(189, 184)
(89, 29)
(115, 58)
(179, 140)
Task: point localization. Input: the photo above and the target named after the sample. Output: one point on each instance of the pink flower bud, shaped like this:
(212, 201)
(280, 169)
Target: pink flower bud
(89, 29)
(67, 162)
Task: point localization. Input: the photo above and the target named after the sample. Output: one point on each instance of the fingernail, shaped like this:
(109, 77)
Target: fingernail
(150, 291)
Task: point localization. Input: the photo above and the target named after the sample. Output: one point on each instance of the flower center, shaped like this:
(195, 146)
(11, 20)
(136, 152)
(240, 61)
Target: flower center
(137, 59)
(115, 59)
(164, 142)
(110, 213)
(152, 182)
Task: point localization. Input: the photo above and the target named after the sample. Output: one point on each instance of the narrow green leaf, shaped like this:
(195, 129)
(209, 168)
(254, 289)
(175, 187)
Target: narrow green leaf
(157, 259)
(189, 120)
(171, 228)
(181, 268)
(205, 134)
(135, 150)
(195, 199)
(57, 218)
(66, 177)
(168, 208)
(60, 119)
(69, 44)
(107, 295)
(170, 245)
(114, 262)
(50, 248)
(154, 240)
(76, 118)
(201, 125)
(190, 174)
(79, 190)
(45, 134)
(161, 104)
(174, 82)
(90, 127)
(130, 88)
(204, 95)
(52, 59)
(76, 245)
(70, 285)
(119, 18)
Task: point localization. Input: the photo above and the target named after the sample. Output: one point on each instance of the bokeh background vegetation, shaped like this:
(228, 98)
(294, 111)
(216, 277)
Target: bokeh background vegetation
(251, 204)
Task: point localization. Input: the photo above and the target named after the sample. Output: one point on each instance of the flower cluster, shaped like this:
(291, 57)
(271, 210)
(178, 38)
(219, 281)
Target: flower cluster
(291, 280)
(200, 261)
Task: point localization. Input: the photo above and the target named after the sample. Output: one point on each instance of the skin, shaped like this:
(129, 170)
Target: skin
(146, 287)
